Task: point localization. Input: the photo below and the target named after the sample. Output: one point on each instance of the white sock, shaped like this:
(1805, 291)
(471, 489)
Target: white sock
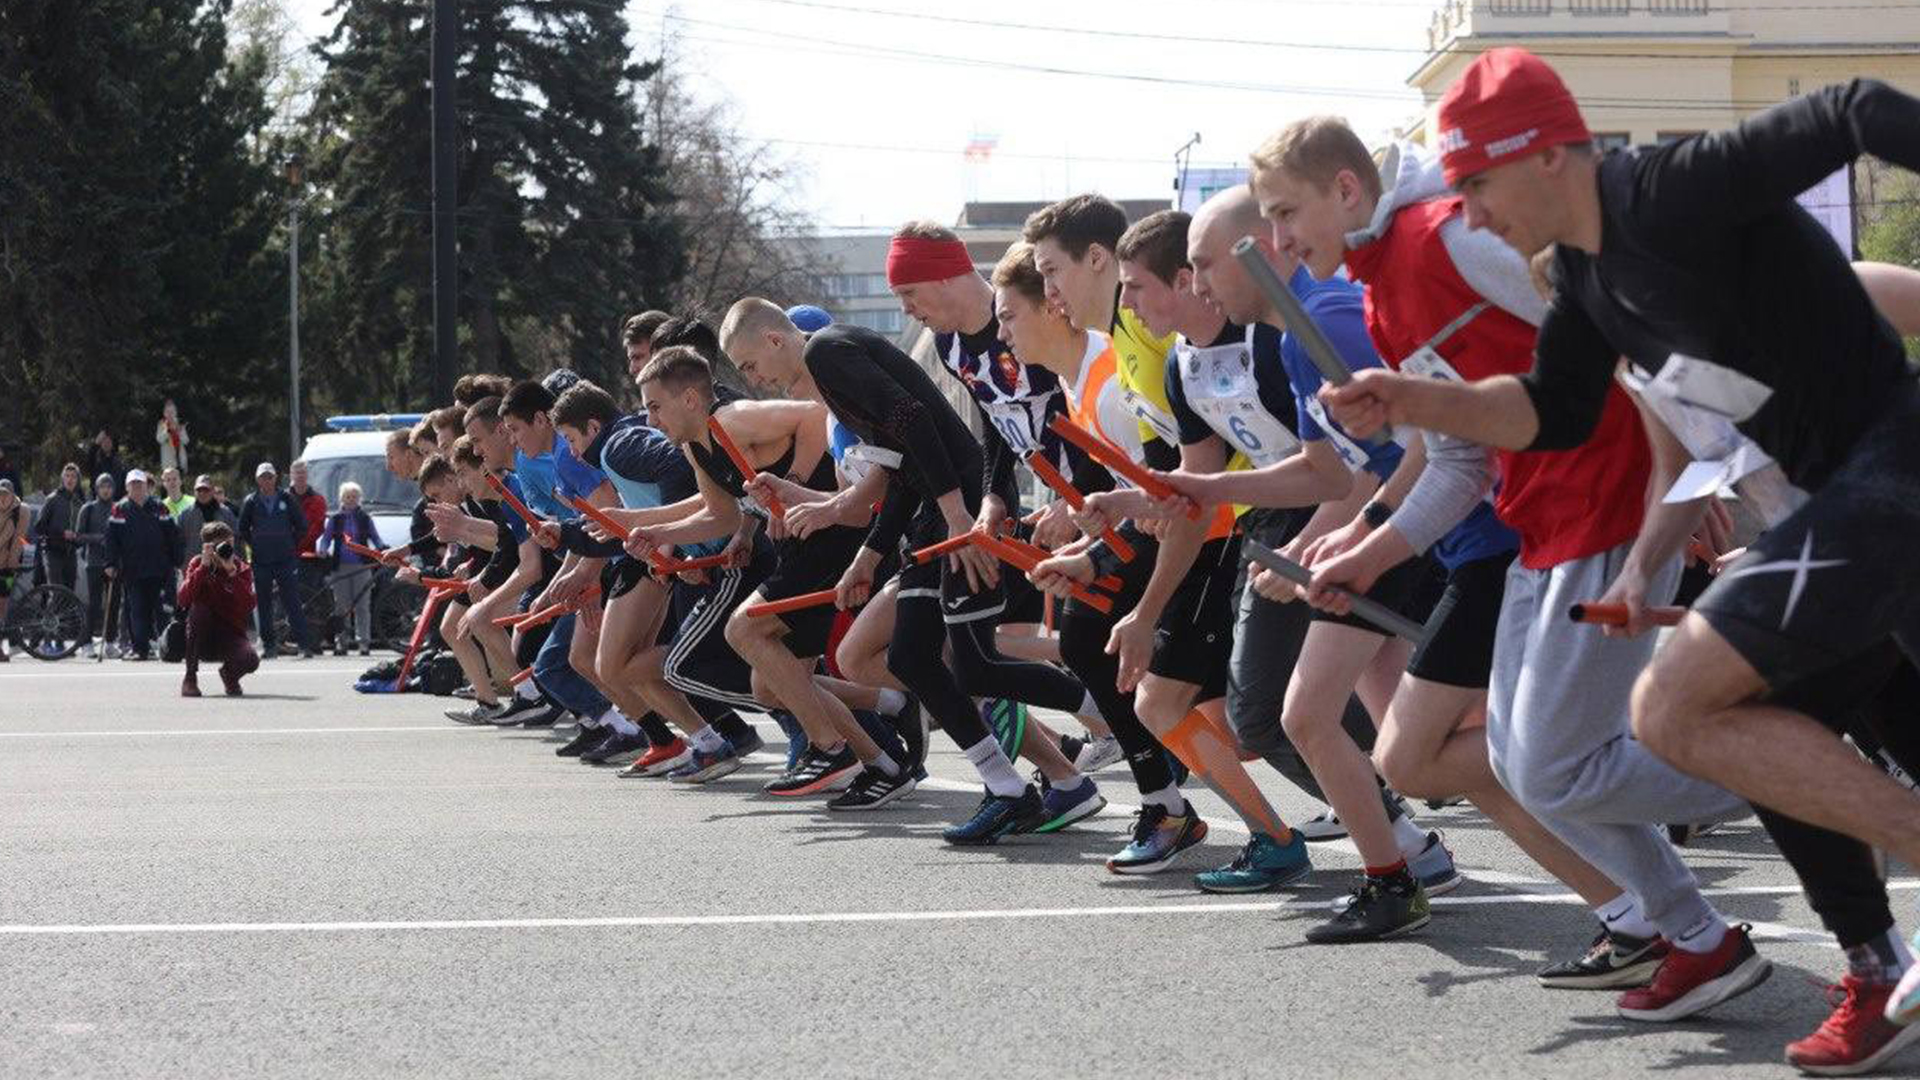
(1167, 798)
(707, 740)
(1622, 914)
(994, 768)
(1071, 783)
(1088, 707)
(1410, 838)
(527, 690)
(1703, 936)
(620, 722)
(885, 764)
(891, 702)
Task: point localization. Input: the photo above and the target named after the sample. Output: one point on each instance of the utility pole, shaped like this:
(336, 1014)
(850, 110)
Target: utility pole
(296, 173)
(446, 193)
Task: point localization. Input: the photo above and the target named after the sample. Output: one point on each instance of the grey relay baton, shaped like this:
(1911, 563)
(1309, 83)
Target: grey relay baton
(1373, 611)
(1299, 323)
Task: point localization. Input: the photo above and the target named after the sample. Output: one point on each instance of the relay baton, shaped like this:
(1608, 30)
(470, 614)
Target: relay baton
(1024, 561)
(1052, 477)
(1325, 357)
(523, 676)
(1115, 460)
(1373, 611)
(506, 494)
(740, 462)
(363, 550)
(791, 603)
(443, 584)
(1616, 614)
(427, 610)
(1109, 582)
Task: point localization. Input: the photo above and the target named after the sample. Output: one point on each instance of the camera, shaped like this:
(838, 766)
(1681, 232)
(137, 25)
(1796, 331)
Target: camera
(225, 550)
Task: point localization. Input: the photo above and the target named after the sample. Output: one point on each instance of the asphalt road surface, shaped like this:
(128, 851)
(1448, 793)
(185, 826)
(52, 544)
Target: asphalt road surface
(312, 882)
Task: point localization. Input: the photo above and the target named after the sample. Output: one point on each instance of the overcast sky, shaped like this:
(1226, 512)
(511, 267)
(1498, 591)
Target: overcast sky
(881, 135)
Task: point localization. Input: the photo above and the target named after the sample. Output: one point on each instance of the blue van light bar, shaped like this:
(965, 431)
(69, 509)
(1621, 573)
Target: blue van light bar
(373, 421)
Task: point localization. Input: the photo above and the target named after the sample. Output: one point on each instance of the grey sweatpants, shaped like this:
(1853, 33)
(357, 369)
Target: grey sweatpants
(1557, 733)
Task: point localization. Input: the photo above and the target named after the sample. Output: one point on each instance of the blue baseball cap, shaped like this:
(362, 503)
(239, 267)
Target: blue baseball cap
(809, 317)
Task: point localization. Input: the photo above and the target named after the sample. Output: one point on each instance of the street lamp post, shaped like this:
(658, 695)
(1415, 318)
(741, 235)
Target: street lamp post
(296, 170)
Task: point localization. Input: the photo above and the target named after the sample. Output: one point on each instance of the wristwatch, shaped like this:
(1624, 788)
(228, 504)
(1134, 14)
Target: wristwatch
(1376, 514)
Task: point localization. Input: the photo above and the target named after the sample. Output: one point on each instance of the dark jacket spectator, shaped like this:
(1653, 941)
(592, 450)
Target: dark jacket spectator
(143, 547)
(102, 458)
(92, 537)
(57, 529)
(205, 510)
(271, 526)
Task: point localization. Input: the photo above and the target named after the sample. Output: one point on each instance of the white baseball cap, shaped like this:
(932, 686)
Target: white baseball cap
(265, 468)
(137, 474)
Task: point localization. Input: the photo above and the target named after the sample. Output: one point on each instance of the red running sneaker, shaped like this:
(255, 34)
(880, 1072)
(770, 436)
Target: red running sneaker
(660, 760)
(1856, 1038)
(1689, 983)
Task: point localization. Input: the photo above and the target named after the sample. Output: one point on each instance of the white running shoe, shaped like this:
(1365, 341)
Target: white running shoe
(1324, 826)
(1097, 754)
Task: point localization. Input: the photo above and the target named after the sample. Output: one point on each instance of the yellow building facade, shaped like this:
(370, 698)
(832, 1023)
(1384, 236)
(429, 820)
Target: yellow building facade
(1644, 70)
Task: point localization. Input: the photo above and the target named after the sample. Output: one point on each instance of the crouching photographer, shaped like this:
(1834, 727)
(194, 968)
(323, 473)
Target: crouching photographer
(217, 597)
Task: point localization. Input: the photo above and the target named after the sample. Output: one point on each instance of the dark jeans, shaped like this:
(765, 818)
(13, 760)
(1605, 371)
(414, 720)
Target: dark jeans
(61, 565)
(143, 603)
(96, 599)
(282, 577)
(210, 639)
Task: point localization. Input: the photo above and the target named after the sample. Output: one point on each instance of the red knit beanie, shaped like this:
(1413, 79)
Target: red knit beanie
(1508, 103)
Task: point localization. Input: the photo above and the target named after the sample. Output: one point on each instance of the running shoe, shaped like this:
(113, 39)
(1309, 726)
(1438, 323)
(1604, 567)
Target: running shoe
(1434, 867)
(873, 789)
(618, 749)
(1689, 982)
(546, 718)
(1856, 1038)
(818, 771)
(1613, 961)
(464, 691)
(1097, 754)
(474, 714)
(1060, 809)
(660, 760)
(1265, 863)
(1158, 840)
(1375, 911)
(706, 765)
(996, 816)
(1008, 722)
(516, 709)
(587, 738)
(1682, 835)
(1322, 826)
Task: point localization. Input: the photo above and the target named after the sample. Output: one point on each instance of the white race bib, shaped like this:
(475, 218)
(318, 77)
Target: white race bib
(1425, 363)
(1350, 452)
(1223, 390)
(1017, 421)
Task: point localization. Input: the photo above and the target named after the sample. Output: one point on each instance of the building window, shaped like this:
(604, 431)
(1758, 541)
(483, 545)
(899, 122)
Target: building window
(853, 286)
(884, 320)
(1604, 141)
(1520, 7)
(1666, 137)
(1598, 7)
(1677, 7)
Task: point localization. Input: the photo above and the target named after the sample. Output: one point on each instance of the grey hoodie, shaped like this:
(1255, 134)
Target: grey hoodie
(1458, 473)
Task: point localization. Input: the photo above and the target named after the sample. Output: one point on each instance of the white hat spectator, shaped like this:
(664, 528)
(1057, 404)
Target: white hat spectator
(265, 468)
(137, 474)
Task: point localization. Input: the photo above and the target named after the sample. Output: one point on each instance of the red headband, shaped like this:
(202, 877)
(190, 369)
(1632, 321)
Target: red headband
(911, 261)
(1507, 104)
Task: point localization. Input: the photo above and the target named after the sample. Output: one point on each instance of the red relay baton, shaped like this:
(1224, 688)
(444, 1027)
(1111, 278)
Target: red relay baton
(740, 462)
(1115, 460)
(1053, 478)
(791, 603)
(1616, 614)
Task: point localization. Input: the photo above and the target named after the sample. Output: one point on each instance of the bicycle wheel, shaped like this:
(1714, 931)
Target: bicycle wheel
(50, 621)
(395, 609)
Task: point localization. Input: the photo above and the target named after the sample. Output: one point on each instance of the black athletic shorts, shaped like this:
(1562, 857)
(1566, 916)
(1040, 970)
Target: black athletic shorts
(1835, 578)
(811, 565)
(700, 663)
(1193, 641)
(621, 576)
(1459, 646)
(1412, 588)
(937, 582)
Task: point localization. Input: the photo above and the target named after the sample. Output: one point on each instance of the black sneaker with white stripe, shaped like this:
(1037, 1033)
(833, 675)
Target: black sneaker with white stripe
(872, 789)
(1614, 961)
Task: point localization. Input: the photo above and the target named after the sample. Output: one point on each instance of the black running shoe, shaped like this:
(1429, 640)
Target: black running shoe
(873, 789)
(1376, 911)
(997, 816)
(587, 739)
(617, 750)
(1613, 961)
(516, 710)
(547, 718)
(816, 771)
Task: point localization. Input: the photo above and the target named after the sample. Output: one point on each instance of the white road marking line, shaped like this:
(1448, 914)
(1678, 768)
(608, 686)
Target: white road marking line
(1225, 907)
(87, 669)
(237, 731)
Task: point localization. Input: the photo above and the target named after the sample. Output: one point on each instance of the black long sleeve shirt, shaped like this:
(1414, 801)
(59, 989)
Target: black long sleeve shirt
(885, 398)
(1705, 254)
